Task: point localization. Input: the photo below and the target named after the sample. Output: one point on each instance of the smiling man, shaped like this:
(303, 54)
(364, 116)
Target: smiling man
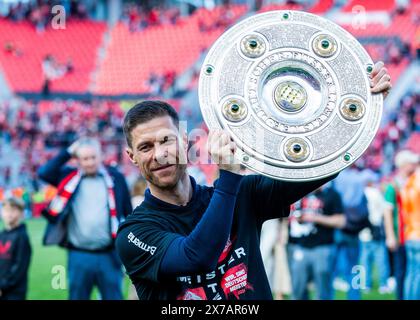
(187, 241)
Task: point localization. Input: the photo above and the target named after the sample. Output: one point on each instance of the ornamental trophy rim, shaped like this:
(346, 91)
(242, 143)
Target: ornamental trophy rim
(292, 88)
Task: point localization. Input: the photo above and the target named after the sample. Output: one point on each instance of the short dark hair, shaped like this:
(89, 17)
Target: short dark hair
(146, 111)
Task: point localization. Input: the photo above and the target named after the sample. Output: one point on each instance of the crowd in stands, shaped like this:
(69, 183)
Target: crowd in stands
(138, 17)
(159, 83)
(223, 20)
(11, 48)
(391, 51)
(404, 122)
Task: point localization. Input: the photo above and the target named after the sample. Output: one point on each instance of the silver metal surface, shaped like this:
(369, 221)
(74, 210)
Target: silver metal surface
(293, 90)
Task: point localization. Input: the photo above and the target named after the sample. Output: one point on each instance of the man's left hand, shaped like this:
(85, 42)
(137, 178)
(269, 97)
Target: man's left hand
(380, 79)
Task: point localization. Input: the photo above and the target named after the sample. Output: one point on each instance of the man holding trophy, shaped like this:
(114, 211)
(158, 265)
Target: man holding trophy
(187, 241)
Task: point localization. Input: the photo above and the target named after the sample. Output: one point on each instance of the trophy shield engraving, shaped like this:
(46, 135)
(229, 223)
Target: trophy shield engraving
(292, 88)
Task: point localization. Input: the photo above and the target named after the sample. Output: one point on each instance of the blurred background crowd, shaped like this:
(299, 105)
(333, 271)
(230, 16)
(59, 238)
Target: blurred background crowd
(57, 85)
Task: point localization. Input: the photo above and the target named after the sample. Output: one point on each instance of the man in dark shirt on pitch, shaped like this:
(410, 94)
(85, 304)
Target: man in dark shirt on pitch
(187, 241)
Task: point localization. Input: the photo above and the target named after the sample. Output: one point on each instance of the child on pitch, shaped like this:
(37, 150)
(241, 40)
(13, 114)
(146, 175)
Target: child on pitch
(15, 251)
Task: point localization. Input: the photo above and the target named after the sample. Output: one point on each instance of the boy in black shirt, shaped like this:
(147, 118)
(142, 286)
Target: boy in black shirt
(15, 252)
(311, 242)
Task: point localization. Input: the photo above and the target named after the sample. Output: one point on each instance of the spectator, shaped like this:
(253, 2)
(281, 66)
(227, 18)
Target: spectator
(153, 17)
(373, 249)
(133, 18)
(39, 17)
(81, 11)
(15, 252)
(39, 12)
(85, 224)
(53, 70)
(311, 242)
(410, 198)
(69, 65)
(351, 184)
(11, 48)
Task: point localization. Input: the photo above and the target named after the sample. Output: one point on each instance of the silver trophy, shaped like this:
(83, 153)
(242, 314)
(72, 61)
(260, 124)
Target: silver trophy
(293, 90)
